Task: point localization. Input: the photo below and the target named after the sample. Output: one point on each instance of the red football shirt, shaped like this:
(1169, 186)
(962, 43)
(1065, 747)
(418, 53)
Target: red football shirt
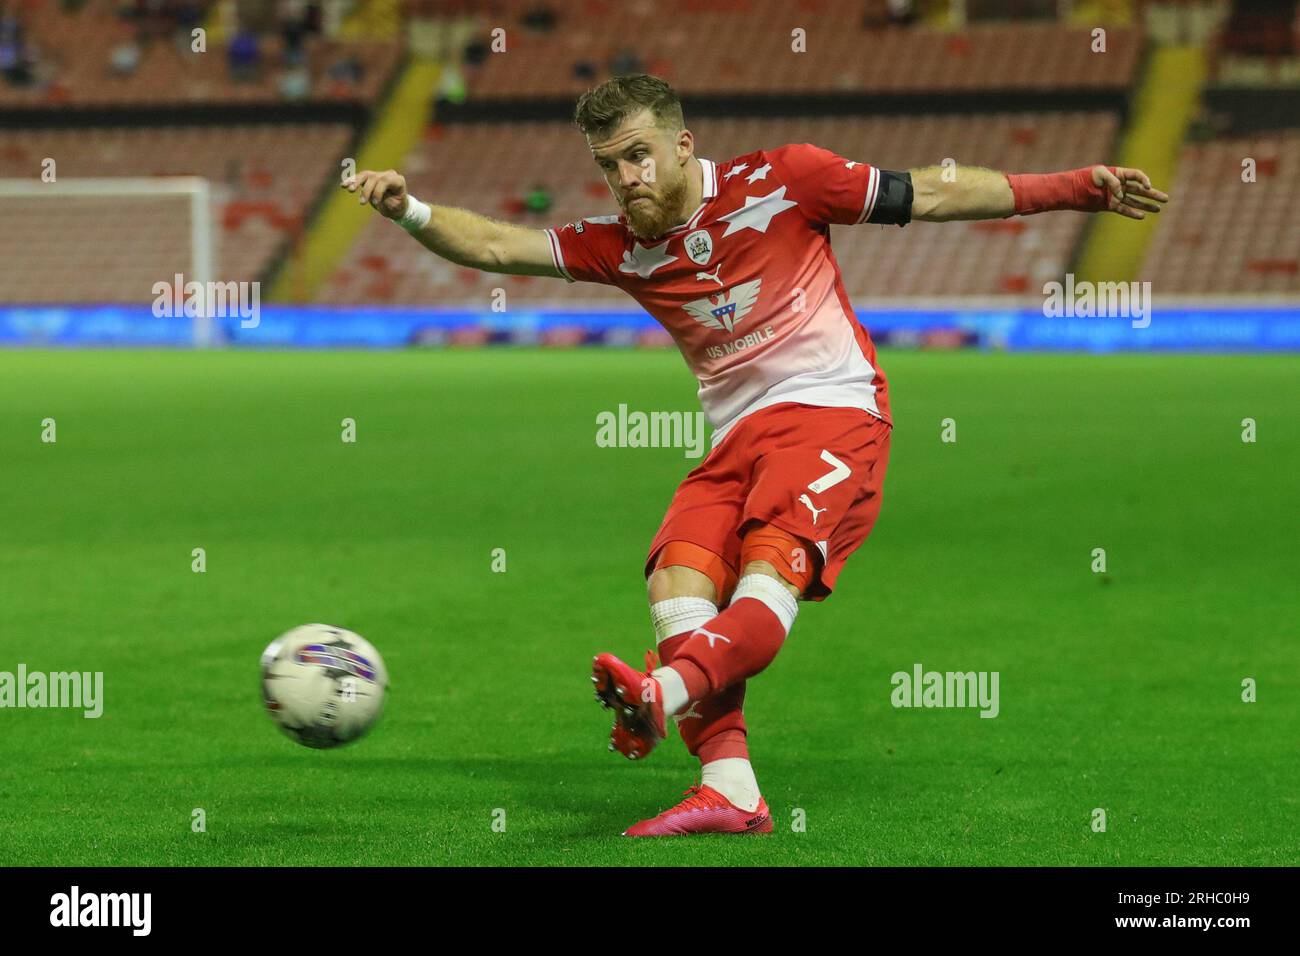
(748, 286)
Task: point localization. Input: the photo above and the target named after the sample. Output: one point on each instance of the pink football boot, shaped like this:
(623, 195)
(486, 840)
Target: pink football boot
(704, 811)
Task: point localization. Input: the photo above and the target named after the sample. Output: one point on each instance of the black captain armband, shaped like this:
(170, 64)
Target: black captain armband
(893, 199)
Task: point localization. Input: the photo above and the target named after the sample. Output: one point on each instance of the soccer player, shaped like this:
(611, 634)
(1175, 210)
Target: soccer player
(734, 259)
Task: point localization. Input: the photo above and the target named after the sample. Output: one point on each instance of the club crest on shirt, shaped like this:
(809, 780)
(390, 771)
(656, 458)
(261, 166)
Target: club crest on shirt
(725, 315)
(699, 246)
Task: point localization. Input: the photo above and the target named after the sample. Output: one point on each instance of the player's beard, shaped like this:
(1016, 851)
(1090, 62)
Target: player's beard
(663, 211)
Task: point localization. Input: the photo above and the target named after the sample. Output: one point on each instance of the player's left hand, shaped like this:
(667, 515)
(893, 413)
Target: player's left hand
(1129, 191)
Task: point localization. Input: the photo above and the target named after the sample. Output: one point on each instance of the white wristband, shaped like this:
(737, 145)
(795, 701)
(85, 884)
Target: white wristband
(416, 216)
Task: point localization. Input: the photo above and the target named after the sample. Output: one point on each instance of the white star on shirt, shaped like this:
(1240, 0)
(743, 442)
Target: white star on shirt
(737, 170)
(850, 164)
(757, 212)
(644, 261)
(760, 173)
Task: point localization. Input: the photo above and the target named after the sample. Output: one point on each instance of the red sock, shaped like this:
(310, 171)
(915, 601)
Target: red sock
(710, 729)
(713, 728)
(720, 729)
(737, 644)
(669, 646)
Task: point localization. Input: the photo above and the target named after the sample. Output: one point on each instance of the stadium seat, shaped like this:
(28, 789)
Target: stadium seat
(1236, 237)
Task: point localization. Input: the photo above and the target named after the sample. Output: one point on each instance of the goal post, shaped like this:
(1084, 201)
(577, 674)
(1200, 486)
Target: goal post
(106, 240)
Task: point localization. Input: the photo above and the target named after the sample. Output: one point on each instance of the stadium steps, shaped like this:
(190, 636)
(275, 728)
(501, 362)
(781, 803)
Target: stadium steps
(373, 20)
(1164, 107)
(396, 130)
(1093, 13)
(215, 24)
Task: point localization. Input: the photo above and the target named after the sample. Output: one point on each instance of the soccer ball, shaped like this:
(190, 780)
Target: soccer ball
(323, 686)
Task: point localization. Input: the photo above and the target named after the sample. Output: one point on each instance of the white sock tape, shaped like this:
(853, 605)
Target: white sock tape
(771, 592)
(679, 614)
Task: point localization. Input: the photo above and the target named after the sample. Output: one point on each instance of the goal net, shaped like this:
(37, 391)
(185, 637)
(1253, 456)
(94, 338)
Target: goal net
(105, 241)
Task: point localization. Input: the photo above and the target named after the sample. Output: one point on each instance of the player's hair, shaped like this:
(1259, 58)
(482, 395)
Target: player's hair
(601, 110)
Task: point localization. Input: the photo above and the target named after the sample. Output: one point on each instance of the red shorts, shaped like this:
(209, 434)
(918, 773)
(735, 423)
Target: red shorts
(813, 472)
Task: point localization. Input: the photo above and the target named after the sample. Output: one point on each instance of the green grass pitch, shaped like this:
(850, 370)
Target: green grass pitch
(1121, 692)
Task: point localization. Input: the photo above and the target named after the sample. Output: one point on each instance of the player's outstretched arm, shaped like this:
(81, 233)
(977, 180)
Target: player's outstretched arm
(458, 235)
(944, 194)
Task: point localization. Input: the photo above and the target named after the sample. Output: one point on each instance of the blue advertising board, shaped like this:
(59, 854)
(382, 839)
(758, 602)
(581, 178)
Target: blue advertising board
(1195, 328)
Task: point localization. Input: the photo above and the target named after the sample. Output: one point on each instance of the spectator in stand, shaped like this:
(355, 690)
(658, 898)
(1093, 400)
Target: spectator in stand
(11, 28)
(451, 88)
(888, 13)
(295, 84)
(292, 17)
(188, 17)
(345, 75)
(540, 19)
(538, 199)
(16, 60)
(153, 20)
(227, 18)
(313, 18)
(244, 57)
(476, 51)
(901, 12)
(625, 62)
(332, 14)
(124, 59)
